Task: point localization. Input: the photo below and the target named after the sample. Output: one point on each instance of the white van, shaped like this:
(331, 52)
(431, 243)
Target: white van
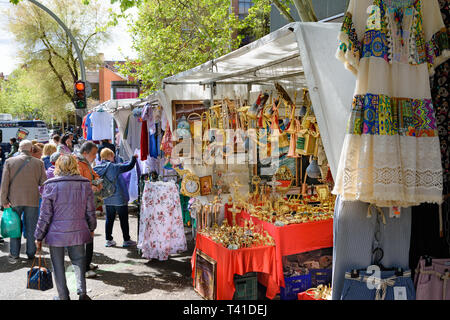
(27, 129)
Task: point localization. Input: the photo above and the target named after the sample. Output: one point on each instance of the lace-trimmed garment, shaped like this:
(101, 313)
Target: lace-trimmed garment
(161, 230)
(391, 154)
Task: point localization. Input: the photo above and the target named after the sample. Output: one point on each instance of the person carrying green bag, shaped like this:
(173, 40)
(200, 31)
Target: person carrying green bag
(22, 176)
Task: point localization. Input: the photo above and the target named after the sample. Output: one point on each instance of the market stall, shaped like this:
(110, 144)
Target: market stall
(290, 86)
(268, 83)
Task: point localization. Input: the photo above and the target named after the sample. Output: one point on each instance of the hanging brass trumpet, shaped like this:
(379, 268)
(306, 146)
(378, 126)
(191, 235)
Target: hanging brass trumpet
(308, 135)
(293, 130)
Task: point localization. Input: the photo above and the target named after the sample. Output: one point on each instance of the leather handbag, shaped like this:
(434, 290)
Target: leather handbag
(39, 278)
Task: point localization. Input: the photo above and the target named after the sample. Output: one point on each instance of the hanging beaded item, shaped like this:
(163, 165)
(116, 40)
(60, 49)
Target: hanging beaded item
(398, 17)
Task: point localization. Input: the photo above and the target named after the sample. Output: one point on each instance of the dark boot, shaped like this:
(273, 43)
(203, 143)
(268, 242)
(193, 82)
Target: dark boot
(84, 297)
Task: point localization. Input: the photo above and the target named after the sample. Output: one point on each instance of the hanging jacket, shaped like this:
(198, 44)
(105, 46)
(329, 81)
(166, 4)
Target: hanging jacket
(113, 172)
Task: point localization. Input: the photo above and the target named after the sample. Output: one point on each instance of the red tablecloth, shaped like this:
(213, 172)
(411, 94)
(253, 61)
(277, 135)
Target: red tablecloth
(291, 239)
(241, 261)
(304, 296)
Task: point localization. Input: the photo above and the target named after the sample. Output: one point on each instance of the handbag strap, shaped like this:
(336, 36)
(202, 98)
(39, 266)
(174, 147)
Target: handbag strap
(39, 253)
(193, 114)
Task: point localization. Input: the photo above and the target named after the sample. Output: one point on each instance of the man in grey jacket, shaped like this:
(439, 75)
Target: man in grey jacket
(22, 176)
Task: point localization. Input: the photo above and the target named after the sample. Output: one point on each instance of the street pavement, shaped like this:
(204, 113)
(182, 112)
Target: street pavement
(122, 273)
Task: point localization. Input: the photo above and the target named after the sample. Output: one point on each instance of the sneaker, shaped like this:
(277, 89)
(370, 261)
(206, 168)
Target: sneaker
(84, 297)
(93, 266)
(110, 243)
(91, 274)
(129, 243)
(13, 260)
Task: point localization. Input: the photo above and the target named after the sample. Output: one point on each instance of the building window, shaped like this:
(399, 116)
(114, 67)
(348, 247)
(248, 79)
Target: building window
(244, 5)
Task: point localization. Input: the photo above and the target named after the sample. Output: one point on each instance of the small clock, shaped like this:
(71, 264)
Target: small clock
(190, 186)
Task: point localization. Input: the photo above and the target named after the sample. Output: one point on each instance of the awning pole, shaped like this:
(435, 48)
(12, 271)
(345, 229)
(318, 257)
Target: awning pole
(249, 89)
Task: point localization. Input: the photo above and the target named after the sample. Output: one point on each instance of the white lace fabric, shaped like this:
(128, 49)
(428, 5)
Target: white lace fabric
(390, 170)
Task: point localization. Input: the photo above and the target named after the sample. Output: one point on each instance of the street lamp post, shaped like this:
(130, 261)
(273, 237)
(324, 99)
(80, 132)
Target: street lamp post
(72, 39)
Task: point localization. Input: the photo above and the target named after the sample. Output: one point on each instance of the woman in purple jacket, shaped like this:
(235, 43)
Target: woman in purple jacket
(67, 220)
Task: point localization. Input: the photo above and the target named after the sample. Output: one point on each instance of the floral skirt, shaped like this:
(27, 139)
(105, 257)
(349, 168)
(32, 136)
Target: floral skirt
(161, 230)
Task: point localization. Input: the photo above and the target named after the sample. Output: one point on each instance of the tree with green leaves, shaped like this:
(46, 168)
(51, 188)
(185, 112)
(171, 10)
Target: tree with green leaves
(47, 50)
(175, 35)
(172, 36)
(20, 97)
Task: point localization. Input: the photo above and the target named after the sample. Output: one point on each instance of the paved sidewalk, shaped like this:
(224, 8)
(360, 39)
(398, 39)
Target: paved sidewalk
(122, 273)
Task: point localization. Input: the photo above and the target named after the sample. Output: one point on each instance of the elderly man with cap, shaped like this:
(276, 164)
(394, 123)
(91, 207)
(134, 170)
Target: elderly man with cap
(22, 176)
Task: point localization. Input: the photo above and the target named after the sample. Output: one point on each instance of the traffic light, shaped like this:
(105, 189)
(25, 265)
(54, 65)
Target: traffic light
(79, 98)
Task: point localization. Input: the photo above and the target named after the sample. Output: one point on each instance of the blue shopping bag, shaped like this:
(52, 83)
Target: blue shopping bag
(10, 225)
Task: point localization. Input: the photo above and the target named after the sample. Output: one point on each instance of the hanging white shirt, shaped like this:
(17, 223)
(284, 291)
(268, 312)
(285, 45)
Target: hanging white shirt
(102, 126)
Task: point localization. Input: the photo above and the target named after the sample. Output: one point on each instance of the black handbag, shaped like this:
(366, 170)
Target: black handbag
(39, 278)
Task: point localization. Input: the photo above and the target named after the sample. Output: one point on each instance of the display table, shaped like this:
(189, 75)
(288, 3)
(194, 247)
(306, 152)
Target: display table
(290, 239)
(241, 261)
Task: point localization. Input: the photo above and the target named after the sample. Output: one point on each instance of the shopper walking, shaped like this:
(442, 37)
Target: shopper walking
(2, 161)
(106, 144)
(22, 176)
(65, 146)
(2, 157)
(14, 147)
(36, 151)
(51, 170)
(67, 221)
(118, 202)
(49, 149)
(56, 139)
(86, 156)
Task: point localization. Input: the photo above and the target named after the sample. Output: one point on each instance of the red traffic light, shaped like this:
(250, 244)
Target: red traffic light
(80, 86)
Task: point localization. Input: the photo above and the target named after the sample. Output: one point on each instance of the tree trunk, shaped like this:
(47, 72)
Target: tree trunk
(305, 10)
(283, 11)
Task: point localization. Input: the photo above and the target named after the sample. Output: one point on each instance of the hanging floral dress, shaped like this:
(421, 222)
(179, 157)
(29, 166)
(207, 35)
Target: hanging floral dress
(161, 230)
(391, 154)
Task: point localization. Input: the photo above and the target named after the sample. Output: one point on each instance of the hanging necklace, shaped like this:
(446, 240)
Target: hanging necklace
(398, 17)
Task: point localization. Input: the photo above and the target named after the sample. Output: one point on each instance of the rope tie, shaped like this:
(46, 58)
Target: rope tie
(382, 285)
(380, 212)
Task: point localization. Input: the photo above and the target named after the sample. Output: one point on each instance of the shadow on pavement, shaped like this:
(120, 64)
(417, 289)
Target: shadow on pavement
(139, 284)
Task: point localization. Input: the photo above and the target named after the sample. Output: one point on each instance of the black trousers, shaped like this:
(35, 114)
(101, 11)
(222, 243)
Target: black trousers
(89, 254)
(425, 236)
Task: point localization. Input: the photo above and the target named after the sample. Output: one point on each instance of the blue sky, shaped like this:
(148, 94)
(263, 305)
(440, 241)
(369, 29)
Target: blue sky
(8, 48)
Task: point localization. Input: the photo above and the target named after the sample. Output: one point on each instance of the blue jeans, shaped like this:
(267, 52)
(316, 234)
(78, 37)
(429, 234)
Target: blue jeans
(24, 224)
(358, 289)
(78, 258)
(123, 218)
(30, 218)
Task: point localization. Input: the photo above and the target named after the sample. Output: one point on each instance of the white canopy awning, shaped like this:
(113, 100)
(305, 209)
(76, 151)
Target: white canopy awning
(272, 57)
